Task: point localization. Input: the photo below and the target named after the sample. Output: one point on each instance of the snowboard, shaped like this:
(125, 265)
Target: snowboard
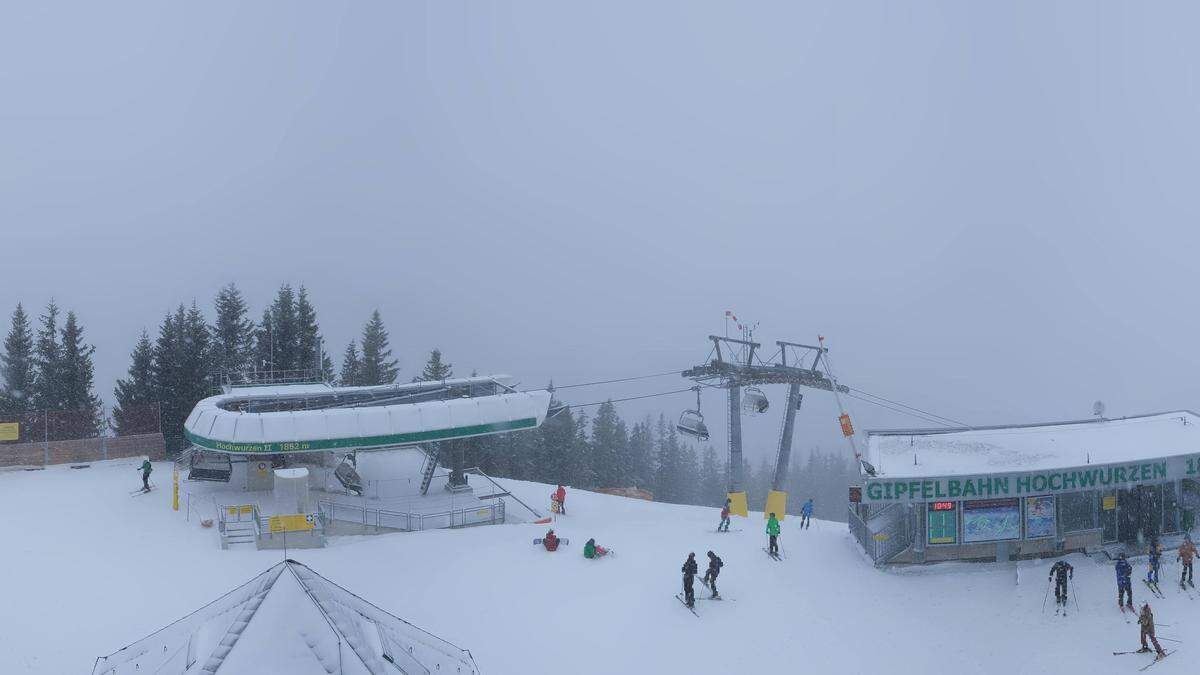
(562, 541)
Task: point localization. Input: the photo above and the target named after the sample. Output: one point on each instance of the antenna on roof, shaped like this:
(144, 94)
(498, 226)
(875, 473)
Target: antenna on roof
(1098, 409)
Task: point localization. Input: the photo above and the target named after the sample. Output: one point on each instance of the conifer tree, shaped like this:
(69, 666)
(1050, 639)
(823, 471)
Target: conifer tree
(378, 366)
(18, 364)
(285, 330)
(136, 392)
(264, 344)
(47, 361)
(351, 375)
(712, 478)
(609, 441)
(76, 375)
(435, 369)
(641, 455)
(311, 353)
(232, 333)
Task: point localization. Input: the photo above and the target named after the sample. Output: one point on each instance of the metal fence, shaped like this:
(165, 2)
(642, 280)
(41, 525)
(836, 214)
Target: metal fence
(43, 437)
(883, 534)
(484, 514)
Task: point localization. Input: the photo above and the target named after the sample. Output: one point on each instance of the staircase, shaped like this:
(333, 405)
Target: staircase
(240, 528)
(431, 457)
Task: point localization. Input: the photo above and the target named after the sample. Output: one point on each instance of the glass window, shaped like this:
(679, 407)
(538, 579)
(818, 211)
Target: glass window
(1039, 517)
(1077, 511)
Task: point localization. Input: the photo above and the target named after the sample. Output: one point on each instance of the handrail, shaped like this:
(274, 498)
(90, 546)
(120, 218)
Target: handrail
(478, 471)
(496, 515)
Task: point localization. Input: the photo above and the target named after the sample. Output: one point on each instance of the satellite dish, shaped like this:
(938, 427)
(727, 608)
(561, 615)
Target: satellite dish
(1098, 409)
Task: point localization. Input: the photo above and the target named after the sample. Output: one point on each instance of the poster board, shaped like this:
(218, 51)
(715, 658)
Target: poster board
(10, 431)
(1040, 517)
(991, 520)
(942, 521)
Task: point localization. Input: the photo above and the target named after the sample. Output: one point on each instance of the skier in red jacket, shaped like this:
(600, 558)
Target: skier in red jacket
(560, 496)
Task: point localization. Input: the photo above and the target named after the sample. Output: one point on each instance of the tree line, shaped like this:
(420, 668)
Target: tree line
(50, 368)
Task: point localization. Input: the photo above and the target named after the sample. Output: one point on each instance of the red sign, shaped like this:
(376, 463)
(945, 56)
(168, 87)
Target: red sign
(847, 427)
(856, 495)
(943, 506)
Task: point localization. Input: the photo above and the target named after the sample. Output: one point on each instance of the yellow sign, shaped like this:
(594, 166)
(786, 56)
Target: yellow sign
(777, 504)
(300, 522)
(1110, 503)
(244, 509)
(737, 504)
(10, 431)
(175, 491)
(881, 537)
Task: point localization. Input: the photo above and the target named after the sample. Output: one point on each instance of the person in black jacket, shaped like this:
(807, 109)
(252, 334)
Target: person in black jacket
(714, 568)
(689, 577)
(1059, 573)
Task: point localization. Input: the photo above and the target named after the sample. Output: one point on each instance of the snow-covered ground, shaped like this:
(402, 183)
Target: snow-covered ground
(88, 569)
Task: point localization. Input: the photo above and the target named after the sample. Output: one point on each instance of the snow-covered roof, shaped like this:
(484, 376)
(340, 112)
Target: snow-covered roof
(217, 423)
(1057, 445)
(289, 619)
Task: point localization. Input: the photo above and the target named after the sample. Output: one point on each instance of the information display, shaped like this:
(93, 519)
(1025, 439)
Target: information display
(943, 523)
(1039, 517)
(991, 520)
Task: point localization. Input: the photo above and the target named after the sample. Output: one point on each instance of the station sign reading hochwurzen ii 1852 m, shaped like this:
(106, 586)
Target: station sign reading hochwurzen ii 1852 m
(1018, 483)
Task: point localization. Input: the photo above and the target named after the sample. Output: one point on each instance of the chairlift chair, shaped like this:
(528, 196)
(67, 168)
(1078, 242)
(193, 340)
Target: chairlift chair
(346, 473)
(754, 401)
(691, 422)
(215, 467)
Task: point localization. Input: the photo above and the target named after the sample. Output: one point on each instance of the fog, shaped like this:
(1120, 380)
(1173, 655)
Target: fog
(988, 209)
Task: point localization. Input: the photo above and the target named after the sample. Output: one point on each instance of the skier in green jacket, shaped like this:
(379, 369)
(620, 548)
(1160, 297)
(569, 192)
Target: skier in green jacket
(146, 468)
(773, 534)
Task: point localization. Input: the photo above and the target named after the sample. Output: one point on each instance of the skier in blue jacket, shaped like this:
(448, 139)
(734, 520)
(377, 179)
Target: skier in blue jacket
(806, 513)
(1124, 588)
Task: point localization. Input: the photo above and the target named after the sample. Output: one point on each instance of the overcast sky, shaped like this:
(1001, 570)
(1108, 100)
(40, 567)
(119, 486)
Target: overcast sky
(989, 209)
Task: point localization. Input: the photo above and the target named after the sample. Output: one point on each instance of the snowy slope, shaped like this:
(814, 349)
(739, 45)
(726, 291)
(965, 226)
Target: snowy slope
(89, 569)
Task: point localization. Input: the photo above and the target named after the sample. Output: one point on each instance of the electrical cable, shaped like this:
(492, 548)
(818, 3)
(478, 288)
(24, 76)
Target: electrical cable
(904, 405)
(630, 398)
(620, 379)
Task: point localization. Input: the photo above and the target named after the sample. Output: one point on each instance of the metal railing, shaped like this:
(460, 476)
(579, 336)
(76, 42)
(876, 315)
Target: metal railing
(886, 540)
(484, 514)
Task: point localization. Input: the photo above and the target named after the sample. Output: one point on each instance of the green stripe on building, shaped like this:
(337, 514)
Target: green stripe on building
(362, 441)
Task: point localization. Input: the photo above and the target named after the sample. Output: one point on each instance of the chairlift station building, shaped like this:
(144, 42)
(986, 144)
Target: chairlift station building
(1005, 492)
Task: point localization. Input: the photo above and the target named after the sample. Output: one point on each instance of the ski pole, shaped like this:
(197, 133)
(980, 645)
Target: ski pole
(1046, 596)
(1169, 639)
(1075, 597)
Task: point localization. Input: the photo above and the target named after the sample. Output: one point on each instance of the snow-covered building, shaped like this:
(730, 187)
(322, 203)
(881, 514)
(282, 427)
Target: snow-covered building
(1028, 490)
(289, 619)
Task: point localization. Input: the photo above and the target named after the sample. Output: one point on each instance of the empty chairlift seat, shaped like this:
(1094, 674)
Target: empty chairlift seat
(347, 474)
(754, 401)
(691, 422)
(210, 466)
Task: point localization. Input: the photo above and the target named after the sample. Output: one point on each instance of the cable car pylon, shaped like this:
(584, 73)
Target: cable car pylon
(735, 364)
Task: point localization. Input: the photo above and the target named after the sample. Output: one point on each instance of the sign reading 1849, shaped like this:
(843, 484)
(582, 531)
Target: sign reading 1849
(1018, 483)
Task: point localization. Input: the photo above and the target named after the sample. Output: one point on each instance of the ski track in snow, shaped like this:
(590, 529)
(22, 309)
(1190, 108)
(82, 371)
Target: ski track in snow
(89, 570)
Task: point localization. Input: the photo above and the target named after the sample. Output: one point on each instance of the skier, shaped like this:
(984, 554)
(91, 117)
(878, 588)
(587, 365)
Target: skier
(723, 526)
(550, 541)
(1155, 555)
(1146, 622)
(714, 569)
(773, 535)
(592, 551)
(1187, 551)
(689, 576)
(806, 513)
(560, 496)
(1059, 573)
(146, 468)
(1124, 587)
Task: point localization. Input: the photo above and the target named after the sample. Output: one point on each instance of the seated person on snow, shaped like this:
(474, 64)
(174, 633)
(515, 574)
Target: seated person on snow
(591, 550)
(550, 541)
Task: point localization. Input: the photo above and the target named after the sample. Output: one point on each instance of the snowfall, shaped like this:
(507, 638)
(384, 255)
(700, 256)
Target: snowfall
(89, 569)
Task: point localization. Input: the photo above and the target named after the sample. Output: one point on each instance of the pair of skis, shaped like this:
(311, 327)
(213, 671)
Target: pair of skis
(1156, 660)
(141, 491)
(777, 556)
(1153, 586)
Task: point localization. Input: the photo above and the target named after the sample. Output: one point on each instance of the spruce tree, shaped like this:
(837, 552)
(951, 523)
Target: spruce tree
(18, 364)
(712, 478)
(378, 366)
(609, 441)
(182, 369)
(47, 361)
(136, 393)
(435, 369)
(232, 333)
(351, 375)
(669, 468)
(311, 354)
(641, 455)
(76, 374)
(264, 344)
(285, 329)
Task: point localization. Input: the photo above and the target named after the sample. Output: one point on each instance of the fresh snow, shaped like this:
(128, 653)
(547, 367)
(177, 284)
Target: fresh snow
(1036, 447)
(89, 569)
